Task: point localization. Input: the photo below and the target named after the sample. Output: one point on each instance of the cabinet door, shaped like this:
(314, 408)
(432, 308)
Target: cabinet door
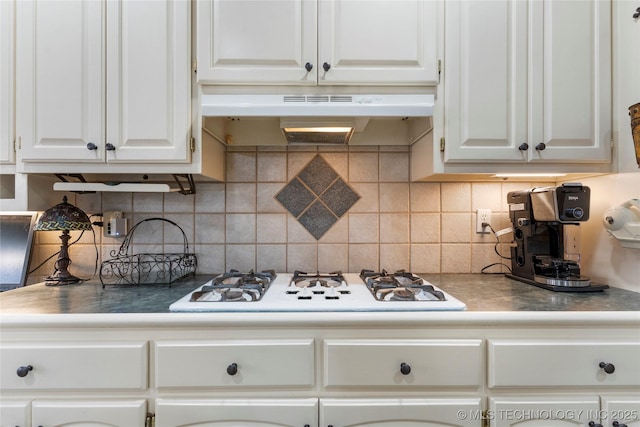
(15, 413)
(253, 41)
(148, 81)
(405, 412)
(548, 411)
(233, 413)
(485, 87)
(58, 413)
(623, 409)
(60, 80)
(571, 81)
(7, 40)
(378, 42)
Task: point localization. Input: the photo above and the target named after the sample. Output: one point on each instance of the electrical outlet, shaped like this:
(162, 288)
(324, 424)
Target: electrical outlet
(114, 225)
(483, 215)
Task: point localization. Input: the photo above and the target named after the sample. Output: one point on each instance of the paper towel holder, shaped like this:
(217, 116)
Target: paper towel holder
(623, 223)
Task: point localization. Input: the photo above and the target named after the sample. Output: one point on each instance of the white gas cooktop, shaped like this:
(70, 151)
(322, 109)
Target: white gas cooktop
(279, 299)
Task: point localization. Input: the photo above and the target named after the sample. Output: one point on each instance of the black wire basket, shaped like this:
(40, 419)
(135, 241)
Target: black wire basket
(147, 268)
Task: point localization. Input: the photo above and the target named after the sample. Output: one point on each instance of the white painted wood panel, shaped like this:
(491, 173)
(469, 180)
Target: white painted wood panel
(257, 41)
(549, 363)
(400, 412)
(260, 363)
(240, 412)
(60, 82)
(377, 363)
(7, 89)
(77, 366)
(89, 413)
(148, 81)
(556, 411)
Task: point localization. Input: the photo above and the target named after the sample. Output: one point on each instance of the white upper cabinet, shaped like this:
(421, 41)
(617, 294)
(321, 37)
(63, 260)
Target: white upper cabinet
(7, 154)
(528, 81)
(103, 81)
(318, 42)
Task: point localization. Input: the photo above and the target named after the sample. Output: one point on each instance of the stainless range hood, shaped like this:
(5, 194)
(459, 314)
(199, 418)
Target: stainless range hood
(319, 119)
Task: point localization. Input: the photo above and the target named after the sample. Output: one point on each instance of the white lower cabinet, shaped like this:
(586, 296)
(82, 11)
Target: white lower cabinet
(236, 412)
(400, 412)
(89, 413)
(15, 413)
(557, 411)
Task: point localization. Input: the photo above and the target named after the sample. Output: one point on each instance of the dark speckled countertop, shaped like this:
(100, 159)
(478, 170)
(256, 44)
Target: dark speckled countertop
(480, 292)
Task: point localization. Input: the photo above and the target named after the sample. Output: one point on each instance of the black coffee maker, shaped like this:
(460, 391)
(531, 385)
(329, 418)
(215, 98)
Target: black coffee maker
(546, 250)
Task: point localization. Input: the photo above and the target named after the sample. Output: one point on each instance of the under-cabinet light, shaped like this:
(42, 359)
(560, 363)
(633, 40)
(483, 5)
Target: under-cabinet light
(528, 175)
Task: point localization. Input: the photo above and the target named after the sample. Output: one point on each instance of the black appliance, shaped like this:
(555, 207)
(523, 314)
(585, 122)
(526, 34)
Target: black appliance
(546, 250)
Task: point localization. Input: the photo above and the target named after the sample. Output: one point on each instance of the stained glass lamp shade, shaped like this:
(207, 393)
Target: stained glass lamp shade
(63, 217)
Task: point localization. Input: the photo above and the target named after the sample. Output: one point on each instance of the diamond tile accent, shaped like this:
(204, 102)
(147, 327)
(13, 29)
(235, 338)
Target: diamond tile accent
(339, 197)
(317, 219)
(317, 197)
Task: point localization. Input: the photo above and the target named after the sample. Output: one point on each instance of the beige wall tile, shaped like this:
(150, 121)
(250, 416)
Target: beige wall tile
(394, 167)
(425, 258)
(271, 228)
(210, 259)
(173, 235)
(369, 197)
(296, 233)
(339, 162)
(302, 257)
(483, 255)
(266, 202)
(339, 233)
(363, 167)
(210, 229)
(425, 196)
(455, 258)
(456, 196)
(425, 228)
(271, 257)
(363, 256)
(456, 227)
(176, 202)
(363, 228)
(272, 167)
(117, 202)
(333, 257)
(394, 197)
(297, 161)
(241, 166)
(241, 197)
(394, 228)
(210, 197)
(240, 228)
(148, 202)
(394, 257)
(486, 195)
(240, 257)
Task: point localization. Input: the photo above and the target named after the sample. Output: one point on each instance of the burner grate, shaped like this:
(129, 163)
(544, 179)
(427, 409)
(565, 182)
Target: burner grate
(234, 286)
(399, 286)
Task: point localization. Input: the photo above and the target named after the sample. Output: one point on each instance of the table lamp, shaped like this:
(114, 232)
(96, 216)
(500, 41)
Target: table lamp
(63, 217)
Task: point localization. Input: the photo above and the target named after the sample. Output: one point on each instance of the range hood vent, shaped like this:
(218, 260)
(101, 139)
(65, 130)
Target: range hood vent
(379, 105)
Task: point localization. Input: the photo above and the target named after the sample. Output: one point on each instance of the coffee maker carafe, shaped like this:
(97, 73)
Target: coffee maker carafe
(546, 249)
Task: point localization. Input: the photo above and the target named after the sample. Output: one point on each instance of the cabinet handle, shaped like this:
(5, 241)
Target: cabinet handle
(405, 368)
(326, 66)
(523, 147)
(232, 369)
(92, 146)
(637, 14)
(109, 147)
(541, 146)
(609, 368)
(592, 424)
(308, 66)
(23, 371)
(617, 424)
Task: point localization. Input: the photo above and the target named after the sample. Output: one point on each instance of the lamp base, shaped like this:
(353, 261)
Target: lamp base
(61, 278)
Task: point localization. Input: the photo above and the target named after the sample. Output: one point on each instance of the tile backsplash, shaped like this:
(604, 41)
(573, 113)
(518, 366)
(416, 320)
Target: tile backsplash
(425, 227)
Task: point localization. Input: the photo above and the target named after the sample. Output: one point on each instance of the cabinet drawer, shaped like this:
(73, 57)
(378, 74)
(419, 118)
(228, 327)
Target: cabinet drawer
(382, 363)
(546, 363)
(235, 363)
(117, 365)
